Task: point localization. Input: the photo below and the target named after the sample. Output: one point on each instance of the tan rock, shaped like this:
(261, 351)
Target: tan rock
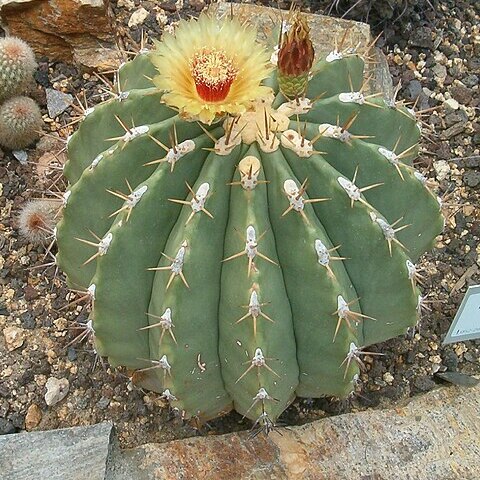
(78, 31)
(137, 17)
(33, 417)
(14, 337)
(325, 31)
(435, 436)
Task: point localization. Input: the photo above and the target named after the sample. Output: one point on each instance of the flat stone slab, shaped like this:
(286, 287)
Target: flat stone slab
(79, 453)
(436, 436)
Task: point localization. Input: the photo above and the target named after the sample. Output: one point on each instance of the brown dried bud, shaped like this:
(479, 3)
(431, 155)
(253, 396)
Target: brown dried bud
(296, 53)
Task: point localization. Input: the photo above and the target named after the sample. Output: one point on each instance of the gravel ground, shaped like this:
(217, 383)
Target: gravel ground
(435, 53)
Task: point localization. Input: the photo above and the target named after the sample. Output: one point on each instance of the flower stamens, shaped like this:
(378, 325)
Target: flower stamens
(213, 73)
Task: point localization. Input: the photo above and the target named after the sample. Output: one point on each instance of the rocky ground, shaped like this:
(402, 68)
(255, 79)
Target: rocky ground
(434, 52)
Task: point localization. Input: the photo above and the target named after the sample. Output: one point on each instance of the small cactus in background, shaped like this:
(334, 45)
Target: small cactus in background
(244, 246)
(17, 65)
(20, 123)
(20, 117)
(36, 222)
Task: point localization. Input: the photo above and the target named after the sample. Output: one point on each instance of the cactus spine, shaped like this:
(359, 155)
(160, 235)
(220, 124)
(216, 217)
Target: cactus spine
(242, 260)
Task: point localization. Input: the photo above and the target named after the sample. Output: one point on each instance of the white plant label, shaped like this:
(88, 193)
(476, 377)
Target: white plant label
(466, 324)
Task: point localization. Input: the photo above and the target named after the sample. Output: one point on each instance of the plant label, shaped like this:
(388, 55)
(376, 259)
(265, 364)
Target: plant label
(466, 324)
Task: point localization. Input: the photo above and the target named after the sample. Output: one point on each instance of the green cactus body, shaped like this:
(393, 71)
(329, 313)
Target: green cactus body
(290, 85)
(239, 272)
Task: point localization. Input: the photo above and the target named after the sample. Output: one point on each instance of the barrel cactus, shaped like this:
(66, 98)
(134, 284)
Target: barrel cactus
(241, 245)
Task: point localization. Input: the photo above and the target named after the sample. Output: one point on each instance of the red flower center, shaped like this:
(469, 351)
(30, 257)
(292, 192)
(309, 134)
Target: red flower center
(213, 73)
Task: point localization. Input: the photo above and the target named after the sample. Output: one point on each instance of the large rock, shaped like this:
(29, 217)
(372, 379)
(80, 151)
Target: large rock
(69, 454)
(78, 31)
(435, 436)
(326, 32)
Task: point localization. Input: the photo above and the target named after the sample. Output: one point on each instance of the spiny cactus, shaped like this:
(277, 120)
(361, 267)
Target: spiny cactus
(20, 117)
(37, 219)
(20, 122)
(17, 64)
(248, 257)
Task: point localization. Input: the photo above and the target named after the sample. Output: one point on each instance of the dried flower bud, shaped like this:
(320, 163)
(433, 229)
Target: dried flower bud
(295, 58)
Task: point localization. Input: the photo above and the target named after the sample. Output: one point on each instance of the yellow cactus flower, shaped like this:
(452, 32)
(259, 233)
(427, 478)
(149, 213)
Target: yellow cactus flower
(209, 68)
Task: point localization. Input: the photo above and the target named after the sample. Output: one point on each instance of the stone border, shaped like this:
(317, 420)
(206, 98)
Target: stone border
(78, 453)
(436, 436)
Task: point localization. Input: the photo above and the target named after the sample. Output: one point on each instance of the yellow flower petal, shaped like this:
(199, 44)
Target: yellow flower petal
(210, 68)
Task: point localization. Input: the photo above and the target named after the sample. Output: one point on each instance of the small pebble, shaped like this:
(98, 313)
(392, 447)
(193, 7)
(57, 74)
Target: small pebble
(442, 169)
(33, 417)
(138, 17)
(14, 337)
(128, 4)
(423, 383)
(451, 104)
(28, 320)
(472, 178)
(57, 102)
(71, 354)
(21, 156)
(388, 377)
(57, 390)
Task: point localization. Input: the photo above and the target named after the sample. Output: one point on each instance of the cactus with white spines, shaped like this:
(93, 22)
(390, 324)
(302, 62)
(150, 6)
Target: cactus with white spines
(20, 122)
(17, 65)
(240, 254)
(20, 116)
(36, 221)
